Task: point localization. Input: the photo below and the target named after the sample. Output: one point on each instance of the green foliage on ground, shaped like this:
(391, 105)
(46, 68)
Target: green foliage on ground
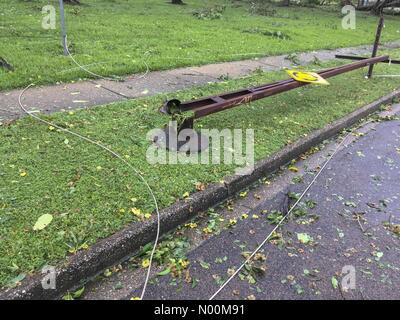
(90, 195)
(121, 37)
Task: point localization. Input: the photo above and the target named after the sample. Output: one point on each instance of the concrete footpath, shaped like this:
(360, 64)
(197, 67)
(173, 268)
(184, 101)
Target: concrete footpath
(347, 224)
(98, 92)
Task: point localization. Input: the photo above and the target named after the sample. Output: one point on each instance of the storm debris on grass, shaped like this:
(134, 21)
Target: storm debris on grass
(165, 38)
(5, 65)
(90, 195)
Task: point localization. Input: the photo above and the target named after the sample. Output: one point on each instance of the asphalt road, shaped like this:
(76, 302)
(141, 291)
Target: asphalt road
(353, 198)
(342, 242)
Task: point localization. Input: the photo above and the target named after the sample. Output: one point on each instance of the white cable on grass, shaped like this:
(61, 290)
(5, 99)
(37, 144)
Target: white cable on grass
(386, 76)
(82, 67)
(95, 74)
(281, 221)
(120, 158)
(77, 68)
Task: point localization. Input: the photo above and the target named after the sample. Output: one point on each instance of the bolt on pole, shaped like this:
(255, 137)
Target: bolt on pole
(63, 28)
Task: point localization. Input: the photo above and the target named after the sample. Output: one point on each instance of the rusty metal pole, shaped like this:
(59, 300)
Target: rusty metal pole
(208, 105)
(376, 44)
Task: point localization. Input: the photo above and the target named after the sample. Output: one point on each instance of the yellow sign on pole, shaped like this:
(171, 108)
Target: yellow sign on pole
(308, 77)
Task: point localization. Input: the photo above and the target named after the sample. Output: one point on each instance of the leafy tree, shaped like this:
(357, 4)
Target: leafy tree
(72, 1)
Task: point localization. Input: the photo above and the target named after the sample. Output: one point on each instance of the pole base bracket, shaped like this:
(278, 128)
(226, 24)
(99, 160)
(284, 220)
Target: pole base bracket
(188, 140)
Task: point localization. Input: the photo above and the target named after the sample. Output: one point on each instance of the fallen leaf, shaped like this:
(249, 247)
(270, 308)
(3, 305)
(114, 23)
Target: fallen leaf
(43, 222)
(147, 215)
(145, 263)
(204, 265)
(107, 273)
(137, 212)
(335, 283)
(304, 238)
(191, 225)
(232, 222)
(16, 281)
(165, 272)
(77, 294)
(378, 256)
(200, 186)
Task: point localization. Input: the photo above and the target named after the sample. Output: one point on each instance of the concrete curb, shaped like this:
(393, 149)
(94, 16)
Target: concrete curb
(109, 251)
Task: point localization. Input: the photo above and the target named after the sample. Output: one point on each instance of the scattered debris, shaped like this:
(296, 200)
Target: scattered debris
(5, 65)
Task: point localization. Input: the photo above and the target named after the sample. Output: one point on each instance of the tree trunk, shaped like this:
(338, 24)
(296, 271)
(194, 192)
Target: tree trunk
(72, 1)
(346, 3)
(378, 7)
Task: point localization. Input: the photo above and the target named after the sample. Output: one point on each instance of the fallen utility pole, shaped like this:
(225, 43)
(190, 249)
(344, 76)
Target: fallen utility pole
(184, 113)
(213, 104)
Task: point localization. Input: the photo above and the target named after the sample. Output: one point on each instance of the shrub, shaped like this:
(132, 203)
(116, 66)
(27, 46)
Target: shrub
(210, 13)
(262, 8)
(273, 34)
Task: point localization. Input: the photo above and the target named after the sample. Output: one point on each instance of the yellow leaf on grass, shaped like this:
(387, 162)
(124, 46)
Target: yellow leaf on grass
(136, 211)
(43, 222)
(147, 215)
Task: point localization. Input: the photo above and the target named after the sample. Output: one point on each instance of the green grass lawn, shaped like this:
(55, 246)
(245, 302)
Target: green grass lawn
(119, 37)
(91, 194)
